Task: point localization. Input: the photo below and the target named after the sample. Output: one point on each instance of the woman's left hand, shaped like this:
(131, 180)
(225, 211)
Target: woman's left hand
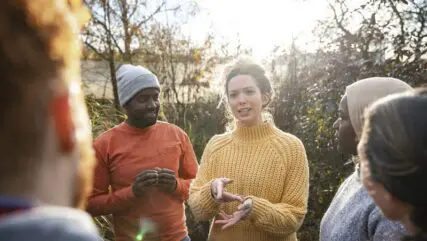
(242, 212)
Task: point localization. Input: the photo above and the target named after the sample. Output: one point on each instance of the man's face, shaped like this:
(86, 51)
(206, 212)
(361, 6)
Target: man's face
(344, 129)
(143, 109)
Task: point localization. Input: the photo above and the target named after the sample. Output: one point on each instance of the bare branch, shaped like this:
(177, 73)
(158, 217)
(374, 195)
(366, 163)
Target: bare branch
(401, 22)
(101, 55)
(421, 16)
(112, 10)
(423, 52)
(134, 10)
(108, 32)
(339, 22)
(158, 10)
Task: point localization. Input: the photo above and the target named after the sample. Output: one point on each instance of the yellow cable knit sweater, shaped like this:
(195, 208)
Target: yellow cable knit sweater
(266, 164)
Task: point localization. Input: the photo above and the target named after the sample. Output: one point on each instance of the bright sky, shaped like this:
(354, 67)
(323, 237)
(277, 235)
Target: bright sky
(260, 25)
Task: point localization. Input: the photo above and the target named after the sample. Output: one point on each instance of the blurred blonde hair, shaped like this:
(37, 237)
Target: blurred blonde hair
(40, 58)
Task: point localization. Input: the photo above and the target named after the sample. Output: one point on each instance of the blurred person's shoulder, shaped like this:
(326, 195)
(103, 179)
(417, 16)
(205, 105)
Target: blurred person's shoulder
(49, 223)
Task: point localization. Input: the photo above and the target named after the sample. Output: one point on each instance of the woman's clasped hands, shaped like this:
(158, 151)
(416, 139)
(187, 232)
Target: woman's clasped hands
(221, 196)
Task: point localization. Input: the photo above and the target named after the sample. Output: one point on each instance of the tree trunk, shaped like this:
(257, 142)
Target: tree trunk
(111, 61)
(127, 32)
(112, 66)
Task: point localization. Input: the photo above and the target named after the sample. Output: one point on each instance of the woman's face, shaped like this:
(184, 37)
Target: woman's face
(344, 129)
(245, 100)
(391, 207)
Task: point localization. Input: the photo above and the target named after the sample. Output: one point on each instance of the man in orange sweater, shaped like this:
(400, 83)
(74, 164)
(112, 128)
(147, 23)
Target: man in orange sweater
(148, 164)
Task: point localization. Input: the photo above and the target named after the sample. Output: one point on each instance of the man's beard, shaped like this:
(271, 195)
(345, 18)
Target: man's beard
(145, 121)
(150, 121)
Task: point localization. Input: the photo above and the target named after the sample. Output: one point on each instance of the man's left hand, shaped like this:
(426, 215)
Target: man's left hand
(167, 180)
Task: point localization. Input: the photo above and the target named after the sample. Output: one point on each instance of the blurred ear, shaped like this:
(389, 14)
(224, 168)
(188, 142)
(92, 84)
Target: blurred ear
(63, 123)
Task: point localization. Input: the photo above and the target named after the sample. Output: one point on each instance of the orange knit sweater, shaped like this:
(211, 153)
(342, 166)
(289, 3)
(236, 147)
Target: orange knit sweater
(122, 153)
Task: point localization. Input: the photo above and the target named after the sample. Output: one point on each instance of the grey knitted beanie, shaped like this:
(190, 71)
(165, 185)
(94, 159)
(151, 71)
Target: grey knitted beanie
(131, 79)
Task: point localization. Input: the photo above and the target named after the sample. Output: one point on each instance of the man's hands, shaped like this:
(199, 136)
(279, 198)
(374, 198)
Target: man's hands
(167, 180)
(162, 178)
(145, 179)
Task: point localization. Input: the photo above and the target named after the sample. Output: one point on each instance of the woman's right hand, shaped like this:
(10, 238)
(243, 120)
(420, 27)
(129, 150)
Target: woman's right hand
(220, 195)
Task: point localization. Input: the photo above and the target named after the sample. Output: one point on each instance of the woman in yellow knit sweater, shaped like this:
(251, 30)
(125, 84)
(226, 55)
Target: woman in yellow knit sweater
(265, 169)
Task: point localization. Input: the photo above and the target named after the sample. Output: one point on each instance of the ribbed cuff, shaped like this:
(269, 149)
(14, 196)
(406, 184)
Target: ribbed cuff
(207, 201)
(258, 208)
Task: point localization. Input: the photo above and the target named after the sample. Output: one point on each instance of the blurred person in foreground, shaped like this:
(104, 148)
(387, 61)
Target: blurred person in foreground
(148, 164)
(393, 151)
(352, 215)
(45, 137)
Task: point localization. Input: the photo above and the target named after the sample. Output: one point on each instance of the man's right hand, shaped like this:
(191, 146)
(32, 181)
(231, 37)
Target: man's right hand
(220, 195)
(145, 179)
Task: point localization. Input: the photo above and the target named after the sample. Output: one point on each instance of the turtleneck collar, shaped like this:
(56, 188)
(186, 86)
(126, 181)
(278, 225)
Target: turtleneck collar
(254, 133)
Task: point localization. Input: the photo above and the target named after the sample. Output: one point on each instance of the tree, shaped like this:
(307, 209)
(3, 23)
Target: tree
(116, 27)
(364, 41)
(181, 64)
(382, 37)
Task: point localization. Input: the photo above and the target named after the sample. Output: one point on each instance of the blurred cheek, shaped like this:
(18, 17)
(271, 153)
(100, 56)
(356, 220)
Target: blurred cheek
(371, 188)
(85, 156)
(255, 101)
(384, 201)
(376, 190)
(85, 173)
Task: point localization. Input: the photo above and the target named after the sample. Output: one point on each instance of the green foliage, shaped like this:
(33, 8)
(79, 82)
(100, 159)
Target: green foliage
(103, 114)
(200, 120)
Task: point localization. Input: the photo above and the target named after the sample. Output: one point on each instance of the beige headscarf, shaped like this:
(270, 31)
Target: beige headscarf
(364, 92)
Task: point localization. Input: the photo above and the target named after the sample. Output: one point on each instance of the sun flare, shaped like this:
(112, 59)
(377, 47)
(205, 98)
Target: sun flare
(259, 25)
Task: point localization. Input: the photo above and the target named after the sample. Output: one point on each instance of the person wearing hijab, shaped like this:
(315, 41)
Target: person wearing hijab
(352, 215)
